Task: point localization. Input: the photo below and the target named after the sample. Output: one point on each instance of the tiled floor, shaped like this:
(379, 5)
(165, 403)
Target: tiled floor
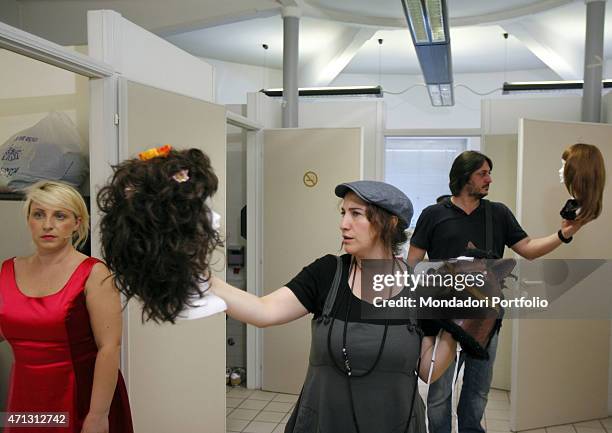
(251, 411)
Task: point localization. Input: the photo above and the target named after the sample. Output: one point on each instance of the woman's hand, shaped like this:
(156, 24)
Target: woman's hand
(570, 227)
(95, 423)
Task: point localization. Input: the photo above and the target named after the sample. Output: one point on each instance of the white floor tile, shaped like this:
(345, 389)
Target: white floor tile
(233, 402)
(263, 395)
(499, 414)
(269, 416)
(539, 430)
(498, 425)
(253, 404)
(607, 423)
(286, 398)
(590, 429)
(279, 407)
(498, 405)
(244, 414)
(589, 424)
(228, 410)
(239, 392)
(260, 427)
(498, 394)
(279, 428)
(286, 418)
(236, 424)
(567, 428)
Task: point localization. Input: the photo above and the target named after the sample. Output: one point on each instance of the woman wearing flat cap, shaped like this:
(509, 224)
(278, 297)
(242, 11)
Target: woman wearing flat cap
(362, 375)
(363, 369)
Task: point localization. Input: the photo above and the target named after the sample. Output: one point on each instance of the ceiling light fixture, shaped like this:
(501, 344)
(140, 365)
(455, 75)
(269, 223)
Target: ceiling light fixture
(544, 86)
(428, 25)
(375, 91)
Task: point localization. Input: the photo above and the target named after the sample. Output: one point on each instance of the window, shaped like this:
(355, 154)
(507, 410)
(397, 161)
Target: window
(419, 166)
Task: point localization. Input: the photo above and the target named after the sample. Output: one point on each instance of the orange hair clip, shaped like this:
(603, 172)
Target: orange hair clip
(155, 152)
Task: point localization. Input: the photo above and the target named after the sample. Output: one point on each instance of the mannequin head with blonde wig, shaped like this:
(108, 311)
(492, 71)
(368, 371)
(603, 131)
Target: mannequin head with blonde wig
(584, 176)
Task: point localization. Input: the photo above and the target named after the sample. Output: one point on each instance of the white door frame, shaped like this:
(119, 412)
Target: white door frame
(254, 253)
(29, 45)
(254, 139)
(103, 140)
(103, 131)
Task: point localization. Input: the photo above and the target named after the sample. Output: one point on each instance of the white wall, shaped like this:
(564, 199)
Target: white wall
(365, 113)
(29, 90)
(143, 57)
(411, 110)
(607, 117)
(606, 114)
(234, 80)
(9, 12)
(500, 115)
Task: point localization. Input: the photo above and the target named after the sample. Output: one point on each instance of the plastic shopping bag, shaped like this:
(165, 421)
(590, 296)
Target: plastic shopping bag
(51, 150)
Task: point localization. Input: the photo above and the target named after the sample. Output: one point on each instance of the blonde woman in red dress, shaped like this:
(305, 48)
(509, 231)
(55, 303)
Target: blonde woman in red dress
(61, 314)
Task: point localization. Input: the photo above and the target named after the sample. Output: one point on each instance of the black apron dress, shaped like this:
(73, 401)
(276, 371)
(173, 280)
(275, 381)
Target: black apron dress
(382, 399)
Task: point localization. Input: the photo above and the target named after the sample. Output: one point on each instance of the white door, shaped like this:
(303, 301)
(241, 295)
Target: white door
(301, 219)
(559, 367)
(176, 373)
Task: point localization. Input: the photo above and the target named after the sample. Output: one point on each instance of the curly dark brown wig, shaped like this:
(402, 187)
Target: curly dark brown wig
(156, 232)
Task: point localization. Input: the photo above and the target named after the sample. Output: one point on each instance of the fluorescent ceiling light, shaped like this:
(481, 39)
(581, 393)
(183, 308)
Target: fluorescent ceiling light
(426, 21)
(542, 86)
(434, 94)
(375, 91)
(428, 24)
(446, 91)
(416, 18)
(441, 95)
(435, 17)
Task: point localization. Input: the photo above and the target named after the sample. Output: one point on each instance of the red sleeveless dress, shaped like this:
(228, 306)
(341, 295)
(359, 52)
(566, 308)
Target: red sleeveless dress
(55, 353)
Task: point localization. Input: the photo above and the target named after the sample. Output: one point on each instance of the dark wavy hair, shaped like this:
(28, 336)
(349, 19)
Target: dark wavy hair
(463, 166)
(156, 232)
(390, 229)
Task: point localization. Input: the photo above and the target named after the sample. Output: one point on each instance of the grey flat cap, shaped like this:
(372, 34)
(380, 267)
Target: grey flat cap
(380, 194)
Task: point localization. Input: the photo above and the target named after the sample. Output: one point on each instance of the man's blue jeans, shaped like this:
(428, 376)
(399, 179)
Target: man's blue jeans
(473, 400)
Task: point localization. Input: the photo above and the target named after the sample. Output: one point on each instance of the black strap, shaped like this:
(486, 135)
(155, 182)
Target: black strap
(333, 290)
(488, 227)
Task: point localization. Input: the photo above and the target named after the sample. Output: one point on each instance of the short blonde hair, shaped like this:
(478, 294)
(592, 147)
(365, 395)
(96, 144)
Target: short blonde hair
(57, 194)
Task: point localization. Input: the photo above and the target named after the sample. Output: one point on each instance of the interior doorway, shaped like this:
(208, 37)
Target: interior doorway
(236, 244)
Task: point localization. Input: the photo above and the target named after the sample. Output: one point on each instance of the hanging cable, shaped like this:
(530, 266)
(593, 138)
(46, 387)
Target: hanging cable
(405, 90)
(458, 85)
(265, 66)
(380, 41)
(478, 93)
(505, 56)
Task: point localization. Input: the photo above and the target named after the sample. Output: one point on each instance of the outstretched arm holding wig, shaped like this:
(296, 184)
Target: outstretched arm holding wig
(277, 308)
(282, 306)
(583, 173)
(158, 237)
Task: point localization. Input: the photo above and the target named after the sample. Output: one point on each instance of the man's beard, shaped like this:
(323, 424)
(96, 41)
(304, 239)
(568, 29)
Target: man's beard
(476, 193)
